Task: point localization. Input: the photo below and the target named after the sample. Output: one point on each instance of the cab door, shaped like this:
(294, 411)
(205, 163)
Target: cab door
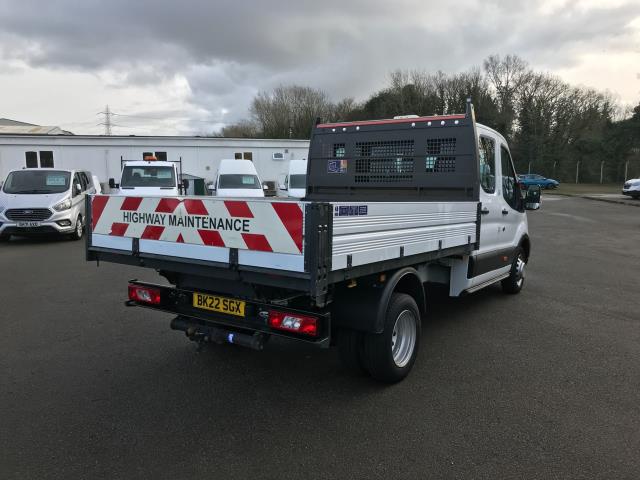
(512, 209)
(491, 260)
(491, 217)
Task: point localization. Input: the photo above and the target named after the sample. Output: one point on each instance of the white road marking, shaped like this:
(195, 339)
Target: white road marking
(574, 217)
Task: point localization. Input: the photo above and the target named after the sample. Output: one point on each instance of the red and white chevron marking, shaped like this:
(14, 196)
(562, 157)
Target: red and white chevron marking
(249, 225)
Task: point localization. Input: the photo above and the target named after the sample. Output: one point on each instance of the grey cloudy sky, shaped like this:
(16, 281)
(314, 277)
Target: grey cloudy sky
(197, 64)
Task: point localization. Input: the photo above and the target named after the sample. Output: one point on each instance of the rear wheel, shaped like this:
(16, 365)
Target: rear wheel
(78, 232)
(390, 355)
(515, 281)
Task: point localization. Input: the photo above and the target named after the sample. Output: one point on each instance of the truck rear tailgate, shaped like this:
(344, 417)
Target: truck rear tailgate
(258, 232)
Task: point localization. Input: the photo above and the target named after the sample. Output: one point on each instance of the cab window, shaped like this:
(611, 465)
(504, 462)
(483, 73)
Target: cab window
(238, 180)
(76, 181)
(83, 180)
(86, 184)
(488, 164)
(148, 176)
(509, 191)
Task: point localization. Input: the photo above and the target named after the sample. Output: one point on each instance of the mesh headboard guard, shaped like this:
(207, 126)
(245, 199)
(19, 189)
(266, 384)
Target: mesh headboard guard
(409, 159)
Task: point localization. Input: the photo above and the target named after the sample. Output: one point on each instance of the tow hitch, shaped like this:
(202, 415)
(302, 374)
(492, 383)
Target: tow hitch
(204, 333)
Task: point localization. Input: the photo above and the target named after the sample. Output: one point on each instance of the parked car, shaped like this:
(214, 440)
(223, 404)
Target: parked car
(44, 200)
(535, 179)
(238, 178)
(295, 183)
(632, 188)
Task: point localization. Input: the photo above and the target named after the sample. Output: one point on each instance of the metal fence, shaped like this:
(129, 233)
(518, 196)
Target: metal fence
(585, 171)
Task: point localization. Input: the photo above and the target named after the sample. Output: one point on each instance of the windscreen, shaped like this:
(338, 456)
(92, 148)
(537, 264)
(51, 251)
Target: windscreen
(298, 181)
(37, 182)
(238, 180)
(148, 176)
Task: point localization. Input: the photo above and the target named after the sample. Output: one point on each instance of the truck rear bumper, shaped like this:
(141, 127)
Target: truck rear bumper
(255, 317)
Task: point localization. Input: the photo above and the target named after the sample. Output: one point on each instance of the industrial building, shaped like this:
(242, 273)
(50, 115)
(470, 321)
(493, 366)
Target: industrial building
(101, 154)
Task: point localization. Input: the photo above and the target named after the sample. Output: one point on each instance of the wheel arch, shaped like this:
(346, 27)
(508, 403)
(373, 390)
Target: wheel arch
(364, 308)
(408, 281)
(525, 243)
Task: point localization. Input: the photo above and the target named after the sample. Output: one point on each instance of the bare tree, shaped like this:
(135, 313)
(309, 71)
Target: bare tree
(242, 129)
(506, 76)
(289, 111)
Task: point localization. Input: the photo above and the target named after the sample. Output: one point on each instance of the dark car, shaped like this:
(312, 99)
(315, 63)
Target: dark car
(535, 179)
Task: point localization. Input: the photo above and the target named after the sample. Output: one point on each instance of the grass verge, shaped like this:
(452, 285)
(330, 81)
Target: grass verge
(585, 188)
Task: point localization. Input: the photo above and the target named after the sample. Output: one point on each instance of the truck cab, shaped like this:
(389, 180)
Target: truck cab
(503, 225)
(148, 177)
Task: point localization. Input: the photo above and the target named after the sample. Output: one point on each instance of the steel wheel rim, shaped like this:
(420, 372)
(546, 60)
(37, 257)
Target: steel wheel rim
(403, 338)
(520, 272)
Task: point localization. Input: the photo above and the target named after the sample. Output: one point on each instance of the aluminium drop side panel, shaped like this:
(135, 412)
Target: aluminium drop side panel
(370, 232)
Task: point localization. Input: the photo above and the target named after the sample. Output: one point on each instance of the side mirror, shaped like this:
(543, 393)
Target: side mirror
(523, 190)
(185, 184)
(112, 183)
(532, 198)
(77, 189)
(265, 186)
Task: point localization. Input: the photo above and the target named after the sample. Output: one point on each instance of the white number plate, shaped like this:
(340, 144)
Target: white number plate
(28, 224)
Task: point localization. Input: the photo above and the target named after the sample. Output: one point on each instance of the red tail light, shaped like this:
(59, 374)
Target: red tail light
(293, 322)
(138, 293)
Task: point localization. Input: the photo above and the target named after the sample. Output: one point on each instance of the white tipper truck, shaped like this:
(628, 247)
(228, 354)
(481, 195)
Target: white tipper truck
(390, 205)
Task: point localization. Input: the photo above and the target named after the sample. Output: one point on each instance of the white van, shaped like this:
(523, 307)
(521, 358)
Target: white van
(295, 182)
(148, 177)
(44, 201)
(238, 178)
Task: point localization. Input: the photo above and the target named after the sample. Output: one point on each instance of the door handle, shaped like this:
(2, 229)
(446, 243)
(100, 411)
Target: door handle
(505, 211)
(484, 210)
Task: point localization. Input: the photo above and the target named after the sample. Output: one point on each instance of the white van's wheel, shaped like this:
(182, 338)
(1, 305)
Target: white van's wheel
(515, 281)
(78, 232)
(390, 355)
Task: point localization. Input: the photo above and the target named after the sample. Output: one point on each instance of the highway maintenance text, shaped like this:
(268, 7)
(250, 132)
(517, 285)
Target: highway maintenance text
(190, 221)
